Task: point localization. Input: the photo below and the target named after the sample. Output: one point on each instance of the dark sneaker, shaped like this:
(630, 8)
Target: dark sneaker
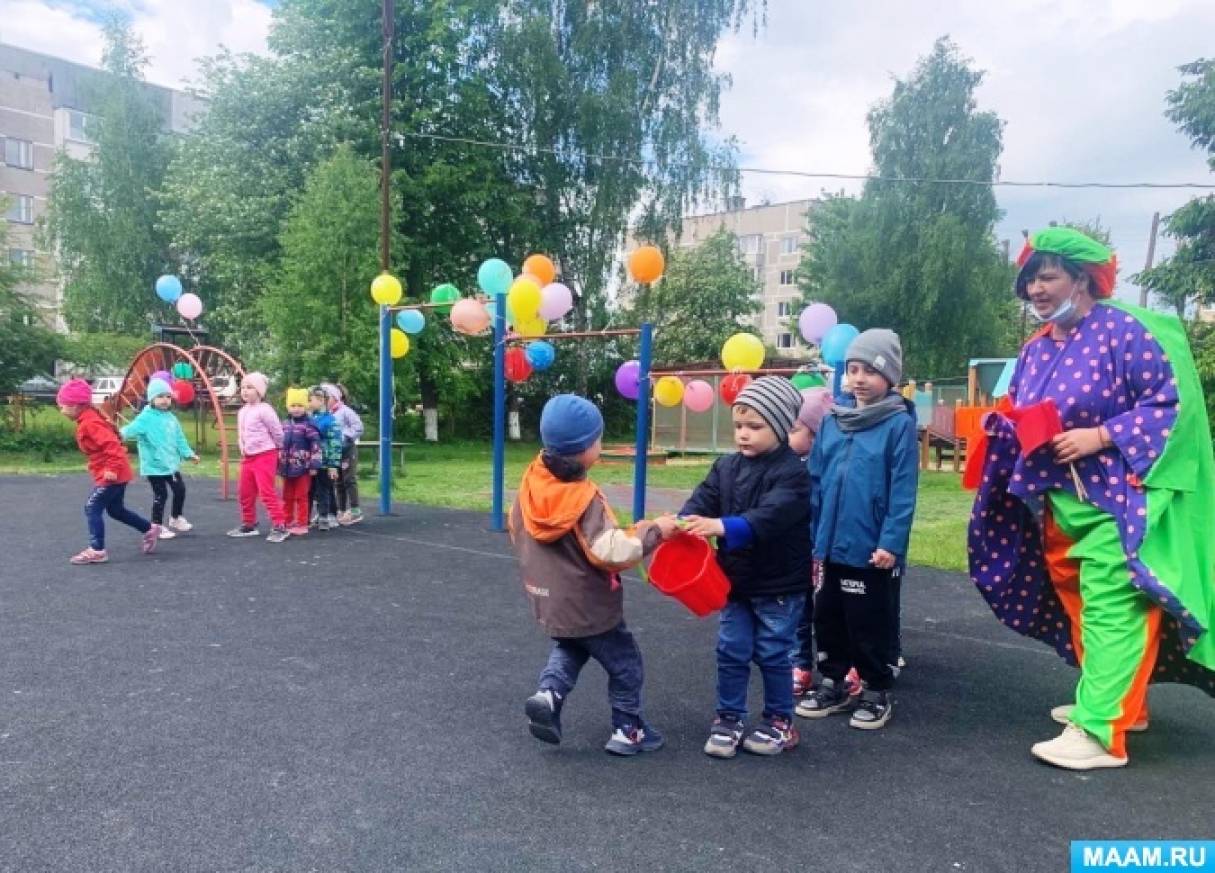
(872, 710)
(828, 698)
(774, 736)
(245, 530)
(544, 715)
(633, 740)
(277, 534)
(724, 737)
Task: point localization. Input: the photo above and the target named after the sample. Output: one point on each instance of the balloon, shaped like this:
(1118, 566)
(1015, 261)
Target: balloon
(444, 294)
(164, 376)
(532, 328)
(386, 289)
(541, 267)
(168, 288)
(731, 386)
(398, 343)
(815, 320)
(189, 306)
(518, 369)
(835, 343)
(469, 317)
(411, 320)
(646, 264)
(541, 354)
(628, 379)
(524, 299)
(803, 381)
(555, 301)
(743, 351)
(698, 396)
(183, 391)
(182, 370)
(669, 390)
(494, 277)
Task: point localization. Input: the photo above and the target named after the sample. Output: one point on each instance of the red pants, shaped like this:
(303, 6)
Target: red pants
(295, 498)
(257, 480)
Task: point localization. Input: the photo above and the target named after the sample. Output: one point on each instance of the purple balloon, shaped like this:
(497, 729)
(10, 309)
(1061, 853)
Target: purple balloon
(628, 379)
(815, 320)
(555, 301)
(164, 375)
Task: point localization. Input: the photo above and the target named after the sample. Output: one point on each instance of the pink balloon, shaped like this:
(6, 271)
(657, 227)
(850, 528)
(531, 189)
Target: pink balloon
(469, 317)
(698, 396)
(815, 320)
(189, 306)
(555, 301)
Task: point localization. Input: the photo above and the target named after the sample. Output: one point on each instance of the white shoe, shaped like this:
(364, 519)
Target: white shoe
(1062, 715)
(1074, 749)
(166, 534)
(180, 524)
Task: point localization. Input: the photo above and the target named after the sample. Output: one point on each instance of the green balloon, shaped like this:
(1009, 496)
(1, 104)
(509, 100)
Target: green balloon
(802, 381)
(446, 293)
(182, 370)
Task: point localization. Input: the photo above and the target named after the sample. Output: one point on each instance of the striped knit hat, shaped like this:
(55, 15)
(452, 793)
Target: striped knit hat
(776, 400)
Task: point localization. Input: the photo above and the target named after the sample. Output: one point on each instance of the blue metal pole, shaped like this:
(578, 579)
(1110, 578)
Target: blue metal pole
(837, 380)
(385, 411)
(643, 422)
(496, 520)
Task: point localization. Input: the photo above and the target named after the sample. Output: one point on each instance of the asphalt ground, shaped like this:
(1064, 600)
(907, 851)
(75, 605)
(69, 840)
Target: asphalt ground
(353, 701)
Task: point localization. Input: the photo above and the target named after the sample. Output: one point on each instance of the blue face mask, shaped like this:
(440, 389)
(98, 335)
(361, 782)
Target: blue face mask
(1065, 314)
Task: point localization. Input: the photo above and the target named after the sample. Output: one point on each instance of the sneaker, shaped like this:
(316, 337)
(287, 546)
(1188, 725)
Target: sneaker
(724, 737)
(853, 682)
(322, 523)
(148, 546)
(872, 710)
(630, 741)
(166, 534)
(245, 530)
(298, 530)
(774, 736)
(180, 524)
(543, 711)
(803, 681)
(89, 556)
(314, 519)
(333, 521)
(828, 698)
(277, 534)
(1074, 749)
(1062, 714)
(345, 519)
(356, 515)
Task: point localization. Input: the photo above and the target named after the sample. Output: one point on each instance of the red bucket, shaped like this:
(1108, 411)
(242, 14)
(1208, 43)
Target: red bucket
(685, 567)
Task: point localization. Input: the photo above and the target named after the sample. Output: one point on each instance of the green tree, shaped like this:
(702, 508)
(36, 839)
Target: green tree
(27, 346)
(921, 257)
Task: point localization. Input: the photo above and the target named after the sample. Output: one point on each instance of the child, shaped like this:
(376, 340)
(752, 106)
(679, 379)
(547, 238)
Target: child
(111, 471)
(299, 457)
(162, 447)
(757, 500)
(864, 468)
(348, 482)
(331, 459)
(260, 436)
(570, 554)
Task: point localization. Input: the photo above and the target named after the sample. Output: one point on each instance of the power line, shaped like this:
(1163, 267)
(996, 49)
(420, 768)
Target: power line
(806, 174)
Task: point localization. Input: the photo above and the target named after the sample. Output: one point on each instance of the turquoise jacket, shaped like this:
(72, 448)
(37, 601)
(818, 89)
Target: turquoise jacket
(162, 444)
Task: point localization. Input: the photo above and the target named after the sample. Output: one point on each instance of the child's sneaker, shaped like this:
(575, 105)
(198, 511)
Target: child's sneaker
(277, 534)
(544, 715)
(724, 737)
(356, 515)
(148, 546)
(826, 699)
(774, 736)
(322, 522)
(803, 681)
(166, 534)
(298, 530)
(314, 519)
(333, 521)
(633, 740)
(853, 682)
(872, 710)
(245, 530)
(89, 556)
(344, 518)
(180, 524)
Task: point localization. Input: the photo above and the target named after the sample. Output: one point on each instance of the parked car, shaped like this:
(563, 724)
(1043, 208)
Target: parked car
(225, 388)
(40, 389)
(104, 387)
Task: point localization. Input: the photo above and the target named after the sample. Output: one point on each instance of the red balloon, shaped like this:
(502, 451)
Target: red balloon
(731, 386)
(183, 391)
(518, 367)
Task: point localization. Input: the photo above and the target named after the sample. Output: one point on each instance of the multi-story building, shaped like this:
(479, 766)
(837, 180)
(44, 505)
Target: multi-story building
(45, 107)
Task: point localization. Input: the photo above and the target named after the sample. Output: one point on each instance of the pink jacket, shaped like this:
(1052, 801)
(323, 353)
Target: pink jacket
(258, 429)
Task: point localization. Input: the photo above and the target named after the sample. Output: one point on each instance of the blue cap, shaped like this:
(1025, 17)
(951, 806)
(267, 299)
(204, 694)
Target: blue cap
(157, 387)
(569, 424)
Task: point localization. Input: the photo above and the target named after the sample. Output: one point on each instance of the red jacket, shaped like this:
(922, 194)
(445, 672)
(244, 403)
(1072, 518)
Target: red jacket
(99, 441)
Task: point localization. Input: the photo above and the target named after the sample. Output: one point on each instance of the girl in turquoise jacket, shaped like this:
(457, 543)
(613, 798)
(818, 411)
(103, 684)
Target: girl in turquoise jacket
(162, 447)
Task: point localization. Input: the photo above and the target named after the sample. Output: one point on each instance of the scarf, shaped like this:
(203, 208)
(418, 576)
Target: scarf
(854, 418)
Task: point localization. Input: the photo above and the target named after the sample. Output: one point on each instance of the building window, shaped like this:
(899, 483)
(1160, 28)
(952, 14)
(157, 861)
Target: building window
(19, 153)
(784, 341)
(784, 309)
(786, 277)
(21, 258)
(20, 209)
(78, 126)
(749, 245)
(788, 245)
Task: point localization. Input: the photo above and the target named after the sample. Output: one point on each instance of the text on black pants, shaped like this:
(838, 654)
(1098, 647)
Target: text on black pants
(853, 622)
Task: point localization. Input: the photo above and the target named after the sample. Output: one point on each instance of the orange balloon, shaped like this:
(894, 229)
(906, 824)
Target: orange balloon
(646, 265)
(542, 267)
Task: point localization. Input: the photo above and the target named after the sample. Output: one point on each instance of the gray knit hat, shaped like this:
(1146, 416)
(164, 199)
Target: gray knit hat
(879, 348)
(776, 400)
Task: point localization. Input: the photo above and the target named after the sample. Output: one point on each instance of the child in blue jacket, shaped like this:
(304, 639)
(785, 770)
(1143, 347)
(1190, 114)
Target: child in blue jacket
(864, 469)
(162, 447)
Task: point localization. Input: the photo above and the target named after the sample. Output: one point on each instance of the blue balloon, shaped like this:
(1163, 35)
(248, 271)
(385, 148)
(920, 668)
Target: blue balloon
(411, 320)
(835, 344)
(168, 288)
(541, 355)
(495, 277)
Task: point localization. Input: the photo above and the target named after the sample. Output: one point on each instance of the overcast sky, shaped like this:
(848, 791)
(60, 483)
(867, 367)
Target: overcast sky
(1079, 83)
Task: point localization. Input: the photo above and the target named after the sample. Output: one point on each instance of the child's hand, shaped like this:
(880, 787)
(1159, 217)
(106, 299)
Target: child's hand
(668, 525)
(109, 475)
(882, 559)
(704, 527)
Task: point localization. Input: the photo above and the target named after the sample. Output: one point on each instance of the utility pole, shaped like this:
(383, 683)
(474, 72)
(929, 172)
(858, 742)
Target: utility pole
(1151, 256)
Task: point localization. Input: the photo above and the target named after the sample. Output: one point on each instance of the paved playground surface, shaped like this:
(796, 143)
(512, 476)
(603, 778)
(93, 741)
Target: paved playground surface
(353, 701)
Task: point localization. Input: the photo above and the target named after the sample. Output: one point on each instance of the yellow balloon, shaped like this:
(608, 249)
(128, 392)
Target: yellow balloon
(524, 298)
(669, 391)
(743, 351)
(398, 344)
(533, 327)
(386, 289)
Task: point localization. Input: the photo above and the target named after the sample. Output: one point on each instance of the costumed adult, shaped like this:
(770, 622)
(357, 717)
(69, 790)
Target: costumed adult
(1092, 524)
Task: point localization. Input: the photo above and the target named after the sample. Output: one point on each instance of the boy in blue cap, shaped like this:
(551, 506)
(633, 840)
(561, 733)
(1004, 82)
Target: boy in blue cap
(571, 554)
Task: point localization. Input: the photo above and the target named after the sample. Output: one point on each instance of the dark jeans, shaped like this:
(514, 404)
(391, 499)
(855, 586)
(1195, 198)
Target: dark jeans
(854, 621)
(348, 478)
(617, 652)
(762, 630)
(803, 643)
(160, 495)
(323, 496)
(108, 498)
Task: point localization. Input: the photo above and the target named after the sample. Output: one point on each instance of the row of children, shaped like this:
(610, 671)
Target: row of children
(812, 517)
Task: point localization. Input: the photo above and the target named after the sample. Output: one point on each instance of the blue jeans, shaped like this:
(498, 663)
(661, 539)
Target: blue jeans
(108, 498)
(617, 652)
(763, 630)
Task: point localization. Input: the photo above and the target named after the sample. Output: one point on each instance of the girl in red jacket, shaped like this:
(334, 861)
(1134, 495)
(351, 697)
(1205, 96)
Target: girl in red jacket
(111, 472)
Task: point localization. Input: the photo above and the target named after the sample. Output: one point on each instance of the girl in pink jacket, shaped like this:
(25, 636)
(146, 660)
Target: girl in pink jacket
(260, 435)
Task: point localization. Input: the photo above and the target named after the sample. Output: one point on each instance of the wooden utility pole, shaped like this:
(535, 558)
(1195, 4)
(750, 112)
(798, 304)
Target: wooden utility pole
(1151, 256)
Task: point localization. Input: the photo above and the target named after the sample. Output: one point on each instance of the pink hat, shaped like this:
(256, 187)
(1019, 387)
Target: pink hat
(75, 392)
(258, 382)
(816, 402)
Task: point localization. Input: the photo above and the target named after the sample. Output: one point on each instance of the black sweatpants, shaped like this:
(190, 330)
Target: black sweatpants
(160, 495)
(323, 496)
(348, 478)
(854, 616)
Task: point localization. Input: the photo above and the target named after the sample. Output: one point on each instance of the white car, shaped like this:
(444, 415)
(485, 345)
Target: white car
(104, 387)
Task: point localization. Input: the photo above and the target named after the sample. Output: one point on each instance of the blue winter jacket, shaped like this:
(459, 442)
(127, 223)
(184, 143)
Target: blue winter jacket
(863, 489)
(161, 442)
